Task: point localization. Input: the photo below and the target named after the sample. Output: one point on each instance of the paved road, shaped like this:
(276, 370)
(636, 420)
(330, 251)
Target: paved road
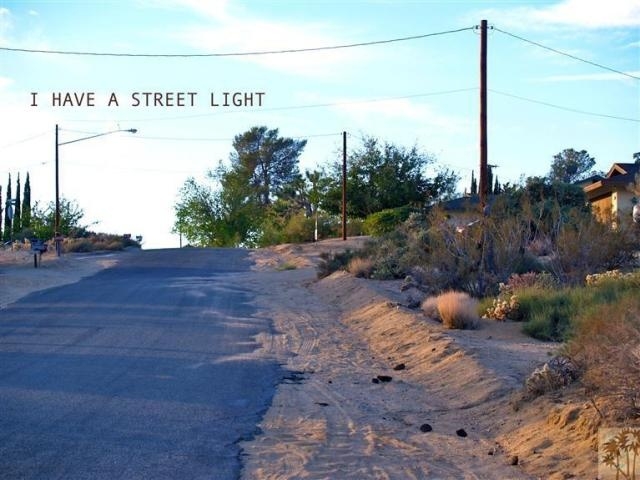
(139, 372)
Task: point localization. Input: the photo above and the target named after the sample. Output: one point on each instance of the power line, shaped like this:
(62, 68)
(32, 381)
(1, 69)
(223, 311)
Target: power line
(235, 54)
(567, 54)
(33, 137)
(568, 109)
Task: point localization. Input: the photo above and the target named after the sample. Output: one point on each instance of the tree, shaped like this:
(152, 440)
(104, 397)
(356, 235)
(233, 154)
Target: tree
(17, 210)
(7, 211)
(43, 219)
(26, 204)
(570, 166)
(636, 157)
(497, 189)
(382, 176)
(268, 162)
(474, 184)
(238, 208)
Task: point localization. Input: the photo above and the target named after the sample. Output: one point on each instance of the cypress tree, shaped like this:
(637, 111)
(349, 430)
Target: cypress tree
(17, 222)
(474, 183)
(7, 221)
(26, 204)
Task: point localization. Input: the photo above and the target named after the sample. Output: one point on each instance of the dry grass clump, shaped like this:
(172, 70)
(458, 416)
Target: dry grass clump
(606, 347)
(360, 267)
(453, 309)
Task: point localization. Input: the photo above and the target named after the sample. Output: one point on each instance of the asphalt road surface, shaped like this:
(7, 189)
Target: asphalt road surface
(143, 371)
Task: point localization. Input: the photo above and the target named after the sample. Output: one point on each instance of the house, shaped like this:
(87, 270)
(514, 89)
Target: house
(610, 196)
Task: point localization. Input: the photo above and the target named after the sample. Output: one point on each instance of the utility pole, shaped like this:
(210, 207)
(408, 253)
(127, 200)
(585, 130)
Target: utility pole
(344, 185)
(483, 116)
(56, 228)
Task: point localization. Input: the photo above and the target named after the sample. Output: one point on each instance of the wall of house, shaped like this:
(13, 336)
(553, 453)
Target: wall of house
(602, 208)
(622, 205)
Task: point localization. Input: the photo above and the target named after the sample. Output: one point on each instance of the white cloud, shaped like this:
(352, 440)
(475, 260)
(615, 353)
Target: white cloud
(404, 109)
(251, 35)
(5, 82)
(237, 31)
(591, 14)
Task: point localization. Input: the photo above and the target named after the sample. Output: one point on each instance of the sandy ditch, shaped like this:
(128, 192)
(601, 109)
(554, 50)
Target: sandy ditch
(377, 390)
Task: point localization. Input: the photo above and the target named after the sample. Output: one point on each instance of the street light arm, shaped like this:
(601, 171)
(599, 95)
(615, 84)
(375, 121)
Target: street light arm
(130, 130)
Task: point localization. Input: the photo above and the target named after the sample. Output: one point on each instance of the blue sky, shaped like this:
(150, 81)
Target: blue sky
(422, 91)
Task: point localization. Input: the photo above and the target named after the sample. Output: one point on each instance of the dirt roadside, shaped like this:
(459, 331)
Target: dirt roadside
(446, 411)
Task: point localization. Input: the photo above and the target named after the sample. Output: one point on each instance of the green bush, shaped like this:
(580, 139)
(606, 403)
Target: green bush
(552, 314)
(385, 221)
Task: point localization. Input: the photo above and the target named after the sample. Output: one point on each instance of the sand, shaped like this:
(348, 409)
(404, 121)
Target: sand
(374, 389)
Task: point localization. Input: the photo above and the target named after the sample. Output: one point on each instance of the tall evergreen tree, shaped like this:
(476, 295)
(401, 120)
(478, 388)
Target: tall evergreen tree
(6, 236)
(26, 204)
(17, 222)
(497, 188)
(474, 183)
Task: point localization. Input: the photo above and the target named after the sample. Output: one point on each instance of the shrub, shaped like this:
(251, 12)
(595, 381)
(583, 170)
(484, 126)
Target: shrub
(97, 242)
(360, 267)
(585, 245)
(454, 309)
(385, 221)
(332, 262)
(605, 343)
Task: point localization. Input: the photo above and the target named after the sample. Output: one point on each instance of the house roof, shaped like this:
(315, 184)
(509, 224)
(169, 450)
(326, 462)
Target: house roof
(619, 176)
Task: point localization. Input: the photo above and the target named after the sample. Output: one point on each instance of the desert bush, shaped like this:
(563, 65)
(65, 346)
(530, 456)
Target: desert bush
(605, 343)
(360, 267)
(556, 373)
(94, 242)
(508, 304)
(454, 309)
(385, 221)
(585, 245)
(334, 261)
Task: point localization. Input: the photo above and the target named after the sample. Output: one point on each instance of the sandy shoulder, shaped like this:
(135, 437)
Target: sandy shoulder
(446, 410)
(19, 278)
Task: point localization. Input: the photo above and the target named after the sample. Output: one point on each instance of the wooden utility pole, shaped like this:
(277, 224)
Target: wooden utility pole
(344, 185)
(484, 176)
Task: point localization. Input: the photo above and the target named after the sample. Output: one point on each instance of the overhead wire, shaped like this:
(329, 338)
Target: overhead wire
(559, 52)
(237, 54)
(560, 107)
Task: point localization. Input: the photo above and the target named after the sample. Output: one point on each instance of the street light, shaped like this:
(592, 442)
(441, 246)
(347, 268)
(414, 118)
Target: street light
(57, 217)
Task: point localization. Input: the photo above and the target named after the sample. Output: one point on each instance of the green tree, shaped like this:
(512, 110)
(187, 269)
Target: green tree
(26, 204)
(247, 199)
(497, 189)
(268, 163)
(7, 212)
(383, 176)
(43, 219)
(570, 166)
(17, 211)
(474, 184)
